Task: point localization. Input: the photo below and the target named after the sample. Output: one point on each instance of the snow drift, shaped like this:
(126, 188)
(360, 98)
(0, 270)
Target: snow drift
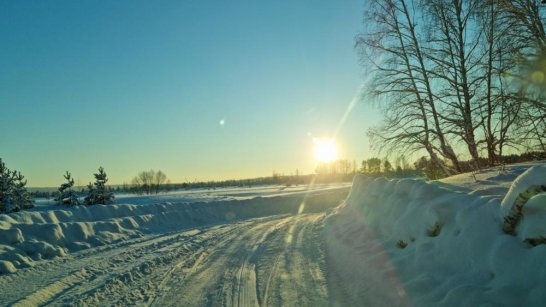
(409, 242)
(27, 237)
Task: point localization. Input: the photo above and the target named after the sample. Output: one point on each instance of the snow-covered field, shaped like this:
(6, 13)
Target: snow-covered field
(401, 242)
(209, 195)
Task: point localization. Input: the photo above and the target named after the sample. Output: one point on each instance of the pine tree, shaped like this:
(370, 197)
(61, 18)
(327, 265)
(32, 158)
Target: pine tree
(91, 195)
(21, 196)
(387, 166)
(7, 202)
(13, 193)
(67, 196)
(98, 193)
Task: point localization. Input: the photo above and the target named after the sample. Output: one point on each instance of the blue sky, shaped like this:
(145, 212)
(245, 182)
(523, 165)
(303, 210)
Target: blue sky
(137, 85)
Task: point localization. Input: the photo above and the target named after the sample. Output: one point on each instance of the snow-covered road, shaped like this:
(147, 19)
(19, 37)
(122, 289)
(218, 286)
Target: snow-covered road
(275, 260)
(251, 252)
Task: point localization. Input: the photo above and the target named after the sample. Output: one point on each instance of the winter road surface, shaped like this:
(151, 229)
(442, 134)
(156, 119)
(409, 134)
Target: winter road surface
(275, 260)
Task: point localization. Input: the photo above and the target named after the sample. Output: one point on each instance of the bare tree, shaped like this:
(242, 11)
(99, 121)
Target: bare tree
(499, 104)
(401, 82)
(526, 17)
(445, 149)
(457, 56)
(456, 71)
(527, 22)
(148, 182)
(143, 182)
(159, 179)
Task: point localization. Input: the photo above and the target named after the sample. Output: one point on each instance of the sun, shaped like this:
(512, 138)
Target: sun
(325, 150)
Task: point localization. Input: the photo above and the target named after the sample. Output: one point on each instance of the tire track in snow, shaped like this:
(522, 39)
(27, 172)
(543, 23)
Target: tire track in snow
(270, 276)
(247, 287)
(200, 255)
(214, 282)
(296, 277)
(244, 263)
(89, 268)
(149, 286)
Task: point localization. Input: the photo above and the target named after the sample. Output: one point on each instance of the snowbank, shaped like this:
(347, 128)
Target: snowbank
(408, 242)
(26, 237)
(490, 181)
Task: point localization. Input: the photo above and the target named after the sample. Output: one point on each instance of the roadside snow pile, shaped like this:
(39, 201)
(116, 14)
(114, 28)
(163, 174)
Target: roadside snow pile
(490, 181)
(408, 242)
(26, 237)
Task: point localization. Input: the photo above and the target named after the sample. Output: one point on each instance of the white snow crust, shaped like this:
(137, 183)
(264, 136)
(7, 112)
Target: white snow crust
(51, 231)
(407, 242)
(534, 176)
(400, 242)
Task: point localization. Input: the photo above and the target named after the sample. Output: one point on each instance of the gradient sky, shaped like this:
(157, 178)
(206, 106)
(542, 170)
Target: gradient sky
(137, 85)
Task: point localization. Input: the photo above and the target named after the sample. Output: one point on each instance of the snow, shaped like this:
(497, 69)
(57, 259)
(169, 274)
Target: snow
(409, 242)
(534, 176)
(488, 181)
(51, 231)
(534, 222)
(209, 195)
(399, 242)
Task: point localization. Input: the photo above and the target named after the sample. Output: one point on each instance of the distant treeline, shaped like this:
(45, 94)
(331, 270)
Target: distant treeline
(422, 167)
(275, 179)
(338, 171)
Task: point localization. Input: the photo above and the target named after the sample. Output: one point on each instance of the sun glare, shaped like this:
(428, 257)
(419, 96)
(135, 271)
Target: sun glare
(325, 150)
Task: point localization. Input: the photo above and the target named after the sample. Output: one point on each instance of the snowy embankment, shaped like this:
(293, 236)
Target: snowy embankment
(27, 237)
(408, 242)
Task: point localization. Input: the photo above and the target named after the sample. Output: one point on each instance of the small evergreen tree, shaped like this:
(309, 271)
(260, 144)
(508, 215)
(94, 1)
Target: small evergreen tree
(20, 194)
(98, 193)
(91, 195)
(7, 202)
(429, 169)
(387, 166)
(374, 165)
(66, 195)
(13, 193)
